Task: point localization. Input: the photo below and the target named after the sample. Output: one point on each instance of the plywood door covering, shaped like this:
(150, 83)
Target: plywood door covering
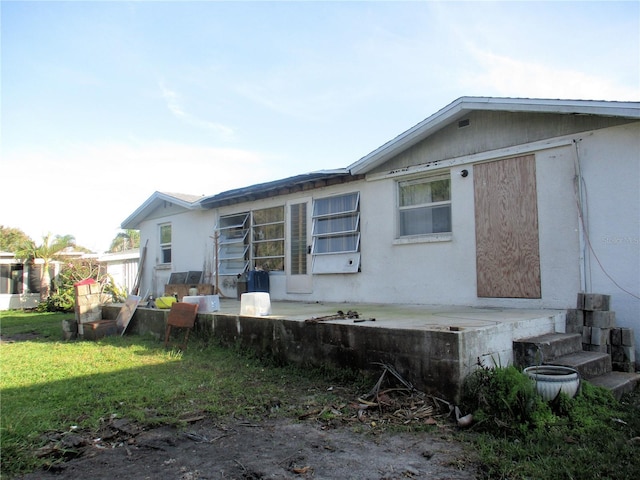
(506, 216)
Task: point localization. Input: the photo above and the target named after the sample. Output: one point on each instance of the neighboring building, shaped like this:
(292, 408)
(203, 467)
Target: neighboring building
(489, 202)
(122, 267)
(19, 283)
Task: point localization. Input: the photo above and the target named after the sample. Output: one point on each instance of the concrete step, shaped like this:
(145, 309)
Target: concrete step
(589, 364)
(545, 348)
(618, 382)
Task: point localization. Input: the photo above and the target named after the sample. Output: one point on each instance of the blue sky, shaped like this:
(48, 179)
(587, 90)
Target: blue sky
(104, 103)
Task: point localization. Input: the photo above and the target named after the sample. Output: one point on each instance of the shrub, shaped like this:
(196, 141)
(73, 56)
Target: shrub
(504, 401)
(63, 297)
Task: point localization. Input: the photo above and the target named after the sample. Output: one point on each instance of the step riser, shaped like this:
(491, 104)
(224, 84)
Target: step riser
(618, 383)
(545, 348)
(588, 368)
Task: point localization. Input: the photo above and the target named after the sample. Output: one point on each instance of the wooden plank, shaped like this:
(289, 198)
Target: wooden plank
(126, 313)
(506, 216)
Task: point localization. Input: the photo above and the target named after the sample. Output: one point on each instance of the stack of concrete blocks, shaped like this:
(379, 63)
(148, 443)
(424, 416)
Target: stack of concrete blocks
(88, 309)
(594, 320)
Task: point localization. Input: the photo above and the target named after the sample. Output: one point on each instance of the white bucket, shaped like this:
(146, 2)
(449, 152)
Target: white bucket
(255, 304)
(206, 303)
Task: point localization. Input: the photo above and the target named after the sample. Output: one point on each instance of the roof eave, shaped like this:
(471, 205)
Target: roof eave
(133, 221)
(462, 106)
(259, 191)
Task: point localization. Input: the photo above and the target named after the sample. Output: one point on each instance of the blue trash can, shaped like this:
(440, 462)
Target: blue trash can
(258, 281)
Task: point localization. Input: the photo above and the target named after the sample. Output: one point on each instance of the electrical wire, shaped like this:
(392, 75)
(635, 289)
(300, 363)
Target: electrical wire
(579, 180)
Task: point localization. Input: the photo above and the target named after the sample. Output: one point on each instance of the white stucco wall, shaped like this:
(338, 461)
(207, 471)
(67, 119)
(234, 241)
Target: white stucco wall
(444, 272)
(192, 248)
(610, 161)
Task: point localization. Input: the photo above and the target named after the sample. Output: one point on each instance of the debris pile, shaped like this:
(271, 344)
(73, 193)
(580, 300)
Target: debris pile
(340, 315)
(394, 400)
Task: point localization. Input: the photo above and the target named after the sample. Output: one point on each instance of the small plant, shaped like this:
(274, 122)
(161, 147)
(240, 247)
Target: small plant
(504, 400)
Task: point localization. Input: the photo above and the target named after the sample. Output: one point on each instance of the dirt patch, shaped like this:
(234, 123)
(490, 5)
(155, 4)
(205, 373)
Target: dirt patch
(21, 337)
(282, 449)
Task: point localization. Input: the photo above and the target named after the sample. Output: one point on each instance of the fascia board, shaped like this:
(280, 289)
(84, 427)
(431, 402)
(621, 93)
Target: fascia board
(133, 221)
(412, 136)
(464, 105)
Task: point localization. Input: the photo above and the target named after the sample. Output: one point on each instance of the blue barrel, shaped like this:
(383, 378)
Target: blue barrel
(258, 281)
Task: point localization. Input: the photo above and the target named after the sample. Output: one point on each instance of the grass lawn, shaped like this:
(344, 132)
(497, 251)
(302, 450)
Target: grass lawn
(51, 385)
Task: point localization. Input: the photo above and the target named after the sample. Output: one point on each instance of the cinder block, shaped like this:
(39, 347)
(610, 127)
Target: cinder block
(594, 301)
(99, 329)
(597, 348)
(623, 367)
(83, 309)
(86, 300)
(616, 337)
(627, 337)
(574, 317)
(82, 290)
(600, 336)
(629, 354)
(91, 316)
(574, 329)
(600, 319)
(617, 354)
(586, 335)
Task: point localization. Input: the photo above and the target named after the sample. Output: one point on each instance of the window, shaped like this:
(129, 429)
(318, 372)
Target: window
(424, 206)
(336, 233)
(11, 279)
(251, 238)
(165, 243)
(298, 244)
(268, 238)
(233, 244)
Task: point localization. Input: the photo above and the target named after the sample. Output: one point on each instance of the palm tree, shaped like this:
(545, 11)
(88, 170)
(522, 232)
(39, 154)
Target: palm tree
(126, 240)
(49, 250)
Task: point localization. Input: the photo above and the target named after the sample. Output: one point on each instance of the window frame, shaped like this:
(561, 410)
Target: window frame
(423, 235)
(165, 248)
(325, 236)
(335, 233)
(229, 259)
(237, 250)
(255, 226)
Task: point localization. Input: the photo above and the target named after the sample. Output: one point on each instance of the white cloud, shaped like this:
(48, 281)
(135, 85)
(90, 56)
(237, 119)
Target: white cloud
(511, 77)
(174, 104)
(88, 190)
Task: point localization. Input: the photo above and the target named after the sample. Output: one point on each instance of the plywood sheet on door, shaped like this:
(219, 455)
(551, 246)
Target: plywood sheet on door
(506, 216)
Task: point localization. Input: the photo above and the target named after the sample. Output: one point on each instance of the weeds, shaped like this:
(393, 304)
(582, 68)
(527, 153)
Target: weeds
(518, 436)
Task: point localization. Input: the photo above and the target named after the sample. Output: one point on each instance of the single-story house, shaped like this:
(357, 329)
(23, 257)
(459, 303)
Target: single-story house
(20, 281)
(489, 202)
(19, 285)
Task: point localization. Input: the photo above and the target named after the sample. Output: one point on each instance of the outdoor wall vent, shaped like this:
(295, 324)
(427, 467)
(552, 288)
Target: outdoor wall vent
(463, 123)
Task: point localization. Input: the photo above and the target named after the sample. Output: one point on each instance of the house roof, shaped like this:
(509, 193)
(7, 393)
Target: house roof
(293, 184)
(188, 202)
(452, 112)
(462, 106)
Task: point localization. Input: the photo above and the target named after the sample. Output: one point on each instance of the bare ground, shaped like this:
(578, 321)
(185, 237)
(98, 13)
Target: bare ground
(282, 449)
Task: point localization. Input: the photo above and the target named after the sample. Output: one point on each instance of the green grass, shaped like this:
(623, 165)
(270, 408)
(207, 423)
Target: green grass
(50, 385)
(591, 436)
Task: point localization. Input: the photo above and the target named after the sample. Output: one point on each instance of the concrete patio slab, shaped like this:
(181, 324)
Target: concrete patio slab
(434, 347)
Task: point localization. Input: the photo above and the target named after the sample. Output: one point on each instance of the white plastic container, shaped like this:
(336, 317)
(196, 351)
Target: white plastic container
(206, 303)
(255, 304)
(550, 380)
